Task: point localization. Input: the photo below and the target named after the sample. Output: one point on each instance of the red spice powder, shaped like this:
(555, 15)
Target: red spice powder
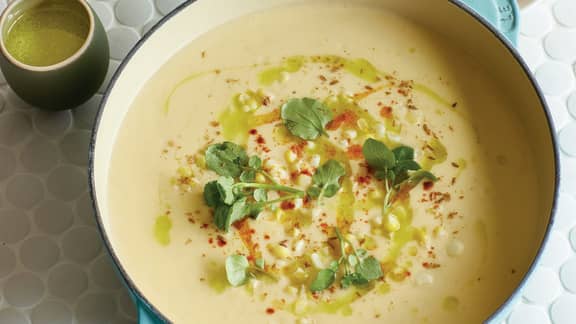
(210, 240)
(346, 118)
(253, 132)
(221, 241)
(260, 140)
(430, 265)
(298, 149)
(287, 205)
(427, 185)
(355, 152)
(270, 311)
(386, 112)
(363, 179)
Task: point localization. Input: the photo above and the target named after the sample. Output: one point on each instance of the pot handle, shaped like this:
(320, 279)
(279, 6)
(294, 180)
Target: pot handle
(502, 14)
(146, 316)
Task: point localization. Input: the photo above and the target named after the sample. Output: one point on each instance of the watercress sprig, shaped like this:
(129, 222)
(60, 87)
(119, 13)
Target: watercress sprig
(239, 270)
(306, 117)
(359, 268)
(396, 167)
(235, 195)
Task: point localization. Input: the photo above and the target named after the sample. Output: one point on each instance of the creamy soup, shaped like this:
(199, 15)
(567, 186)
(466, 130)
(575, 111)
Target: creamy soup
(323, 163)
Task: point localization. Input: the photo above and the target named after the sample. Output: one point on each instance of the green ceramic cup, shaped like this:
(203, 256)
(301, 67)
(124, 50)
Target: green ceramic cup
(65, 84)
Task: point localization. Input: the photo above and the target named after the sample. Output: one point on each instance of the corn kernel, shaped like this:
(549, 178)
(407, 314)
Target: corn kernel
(279, 251)
(200, 161)
(260, 178)
(291, 290)
(343, 144)
(299, 276)
(290, 156)
(298, 203)
(376, 194)
(350, 134)
(185, 172)
(293, 231)
(299, 247)
(391, 224)
(380, 129)
(304, 180)
(421, 236)
(363, 125)
(315, 160)
(317, 261)
(316, 212)
(369, 243)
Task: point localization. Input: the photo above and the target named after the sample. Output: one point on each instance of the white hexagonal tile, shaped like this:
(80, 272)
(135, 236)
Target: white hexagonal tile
(122, 39)
(557, 250)
(51, 312)
(561, 45)
(14, 127)
(53, 216)
(134, 13)
(24, 190)
(23, 289)
(565, 12)
(543, 286)
(39, 253)
(537, 21)
(555, 78)
(13, 316)
(563, 310)
(67, 281)
(165, 6)
(528, 314)
(14, 225)
(8, 261)
(81, 244)
(96, 308)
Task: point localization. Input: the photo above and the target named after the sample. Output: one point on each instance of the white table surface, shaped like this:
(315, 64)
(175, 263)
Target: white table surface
(53, 268)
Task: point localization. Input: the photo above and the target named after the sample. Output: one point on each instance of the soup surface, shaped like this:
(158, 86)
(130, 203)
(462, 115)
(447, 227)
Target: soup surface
(323, 163)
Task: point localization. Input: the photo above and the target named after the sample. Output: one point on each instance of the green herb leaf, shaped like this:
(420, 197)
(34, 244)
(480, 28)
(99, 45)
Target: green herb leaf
(369, 269)
(353, 279)
(255, 162)
(237, 212)
(379, 157)
(212, 194)
(421, 175)
(224, 185)
(327, 179)
(403, 153)
(248, 176)
(259, 263)
(306, 117)
(260, 195)
(221, 216)
(226, 159)
(324, 280)
(236, 270)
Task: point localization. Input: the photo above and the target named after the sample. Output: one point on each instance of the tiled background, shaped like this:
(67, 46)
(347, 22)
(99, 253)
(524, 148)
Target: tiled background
(53, 268)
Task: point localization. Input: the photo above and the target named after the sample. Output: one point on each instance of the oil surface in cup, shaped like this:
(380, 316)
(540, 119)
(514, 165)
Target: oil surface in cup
(47, 33)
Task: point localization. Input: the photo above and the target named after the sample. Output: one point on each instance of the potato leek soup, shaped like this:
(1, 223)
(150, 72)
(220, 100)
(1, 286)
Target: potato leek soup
(323, 163)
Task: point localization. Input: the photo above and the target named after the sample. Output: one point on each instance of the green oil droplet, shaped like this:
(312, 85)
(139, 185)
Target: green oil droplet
(450, 303)
(162, 229)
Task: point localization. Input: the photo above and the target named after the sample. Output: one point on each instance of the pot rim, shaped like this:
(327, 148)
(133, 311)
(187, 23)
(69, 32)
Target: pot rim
(502, 310)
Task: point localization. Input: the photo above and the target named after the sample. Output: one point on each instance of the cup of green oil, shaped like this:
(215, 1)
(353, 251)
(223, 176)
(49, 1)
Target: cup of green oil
(54, 53)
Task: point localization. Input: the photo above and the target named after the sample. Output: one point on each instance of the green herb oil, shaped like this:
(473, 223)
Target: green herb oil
(48, 33)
